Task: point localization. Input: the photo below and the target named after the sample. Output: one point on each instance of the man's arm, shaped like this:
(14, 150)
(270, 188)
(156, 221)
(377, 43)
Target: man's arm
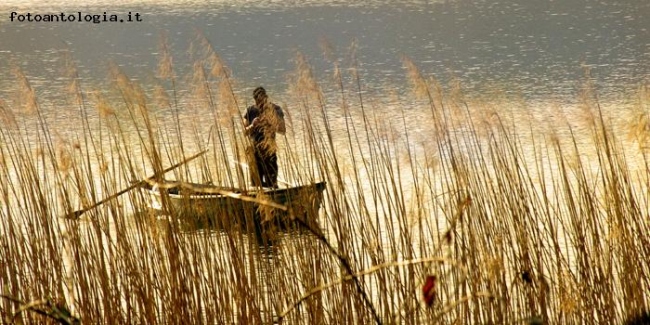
(248, 127)
(246, 124)
(282, 128)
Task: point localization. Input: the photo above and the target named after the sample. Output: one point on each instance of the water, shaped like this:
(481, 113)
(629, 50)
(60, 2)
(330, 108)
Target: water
(527, 47)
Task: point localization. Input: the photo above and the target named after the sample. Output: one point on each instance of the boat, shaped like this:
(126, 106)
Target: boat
(228, 207)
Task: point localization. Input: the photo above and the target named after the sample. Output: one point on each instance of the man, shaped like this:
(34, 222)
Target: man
(262, 121)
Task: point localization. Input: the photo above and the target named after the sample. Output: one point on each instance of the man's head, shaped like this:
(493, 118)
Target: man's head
(259, 94)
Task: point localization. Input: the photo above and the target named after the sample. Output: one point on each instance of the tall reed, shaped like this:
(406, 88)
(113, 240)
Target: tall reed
(500, 217)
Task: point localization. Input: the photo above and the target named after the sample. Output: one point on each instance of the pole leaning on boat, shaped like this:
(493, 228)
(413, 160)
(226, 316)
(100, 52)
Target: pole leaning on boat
(76, 214)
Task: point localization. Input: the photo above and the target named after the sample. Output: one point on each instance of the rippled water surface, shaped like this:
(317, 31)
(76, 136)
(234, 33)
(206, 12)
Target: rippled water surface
(537, 48)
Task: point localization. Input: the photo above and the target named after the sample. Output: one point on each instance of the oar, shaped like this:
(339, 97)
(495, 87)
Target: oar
(76, 214)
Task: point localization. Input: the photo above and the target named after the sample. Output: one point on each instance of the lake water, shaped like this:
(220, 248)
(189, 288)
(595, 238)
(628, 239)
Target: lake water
(534, 48)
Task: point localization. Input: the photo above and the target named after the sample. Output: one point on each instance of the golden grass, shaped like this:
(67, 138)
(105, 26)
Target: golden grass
(518, 223)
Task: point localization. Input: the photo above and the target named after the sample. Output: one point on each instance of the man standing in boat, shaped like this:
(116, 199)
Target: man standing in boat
(262, 121)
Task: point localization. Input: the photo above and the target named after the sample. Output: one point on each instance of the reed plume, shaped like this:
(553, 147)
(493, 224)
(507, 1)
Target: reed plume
(26, 96)
(165, 67)
(7, 117)
(418, 82)
(104, 107)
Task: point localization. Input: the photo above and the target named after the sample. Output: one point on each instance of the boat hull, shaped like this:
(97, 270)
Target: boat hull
(227, 208)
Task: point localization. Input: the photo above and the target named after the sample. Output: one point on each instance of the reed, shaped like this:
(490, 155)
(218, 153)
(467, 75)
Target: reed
(463, 209)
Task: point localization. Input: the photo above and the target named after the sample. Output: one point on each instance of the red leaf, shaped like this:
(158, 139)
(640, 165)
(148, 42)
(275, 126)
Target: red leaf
(429, 290)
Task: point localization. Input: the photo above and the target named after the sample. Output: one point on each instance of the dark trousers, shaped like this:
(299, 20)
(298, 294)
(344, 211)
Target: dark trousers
(267, 169)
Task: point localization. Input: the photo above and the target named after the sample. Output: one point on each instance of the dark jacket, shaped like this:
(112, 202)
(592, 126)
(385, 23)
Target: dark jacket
(263, 134)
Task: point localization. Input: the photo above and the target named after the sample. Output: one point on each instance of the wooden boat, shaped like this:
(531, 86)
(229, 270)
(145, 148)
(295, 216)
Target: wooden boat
(226, 207)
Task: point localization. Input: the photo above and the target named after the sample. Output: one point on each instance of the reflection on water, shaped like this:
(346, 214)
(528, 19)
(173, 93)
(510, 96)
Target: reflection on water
(267, 237)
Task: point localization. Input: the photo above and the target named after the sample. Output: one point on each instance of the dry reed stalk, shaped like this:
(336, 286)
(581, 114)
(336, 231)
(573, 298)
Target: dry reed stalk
(553, 234)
